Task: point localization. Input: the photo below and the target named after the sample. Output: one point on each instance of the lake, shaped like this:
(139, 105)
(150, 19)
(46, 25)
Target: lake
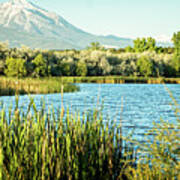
(141, 104)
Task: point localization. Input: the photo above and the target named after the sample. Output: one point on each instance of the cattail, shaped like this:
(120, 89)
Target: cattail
(1, 160)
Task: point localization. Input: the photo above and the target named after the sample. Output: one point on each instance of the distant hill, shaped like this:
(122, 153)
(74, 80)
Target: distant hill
(22, 22)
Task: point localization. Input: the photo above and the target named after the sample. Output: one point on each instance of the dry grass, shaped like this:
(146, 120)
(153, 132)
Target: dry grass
(12, 86)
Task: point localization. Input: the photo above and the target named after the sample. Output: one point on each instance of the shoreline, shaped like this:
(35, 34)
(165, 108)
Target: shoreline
(120, 80)
(49, 85)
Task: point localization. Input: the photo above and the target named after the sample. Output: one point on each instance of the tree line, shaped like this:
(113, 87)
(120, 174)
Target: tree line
(143, 59)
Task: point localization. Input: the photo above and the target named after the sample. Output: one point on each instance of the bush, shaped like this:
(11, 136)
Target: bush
(40, 66)
(176, 65)
(15, 67)
(81, 69)
(145, 66)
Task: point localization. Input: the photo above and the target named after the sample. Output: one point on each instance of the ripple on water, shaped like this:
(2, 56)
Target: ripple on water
(142, 103)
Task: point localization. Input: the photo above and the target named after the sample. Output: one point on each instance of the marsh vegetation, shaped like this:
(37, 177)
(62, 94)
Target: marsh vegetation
(40, 144)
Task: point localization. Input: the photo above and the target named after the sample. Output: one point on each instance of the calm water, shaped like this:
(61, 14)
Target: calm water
(142, 103)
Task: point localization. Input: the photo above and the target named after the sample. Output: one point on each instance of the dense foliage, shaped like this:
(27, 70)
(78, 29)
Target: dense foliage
(42, 145)
(15, 67)
(93, 61)
(36, 144)
(176, 58)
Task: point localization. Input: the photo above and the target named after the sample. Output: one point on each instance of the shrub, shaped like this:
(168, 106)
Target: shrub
(81, 69)
(15, 67)
(40, 66)
(145, 66)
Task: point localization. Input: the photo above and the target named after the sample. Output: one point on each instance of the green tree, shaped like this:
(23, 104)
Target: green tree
(129, 49)
(66, 69)
(176, 58)
(4, 50)
(2, 66)
(139, 45)
(176, 41)
(40, 66)
(176, 65)
(151, 44)
(15, 67)
(104, 66)
(81, 69)
(95, 46)
(145, 66)
(144, 44)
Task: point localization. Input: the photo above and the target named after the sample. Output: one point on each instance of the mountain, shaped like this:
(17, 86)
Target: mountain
(22, 22)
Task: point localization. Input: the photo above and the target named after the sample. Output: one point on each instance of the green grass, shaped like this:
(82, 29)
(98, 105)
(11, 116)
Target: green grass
(44, 145)
(12, 86)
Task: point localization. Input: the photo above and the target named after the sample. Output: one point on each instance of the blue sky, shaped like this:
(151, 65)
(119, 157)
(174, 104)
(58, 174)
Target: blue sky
(124, 18)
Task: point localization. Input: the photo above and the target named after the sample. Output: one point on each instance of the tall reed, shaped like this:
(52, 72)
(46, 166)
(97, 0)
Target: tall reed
(12, 86)
(159, 155)
(45, 145)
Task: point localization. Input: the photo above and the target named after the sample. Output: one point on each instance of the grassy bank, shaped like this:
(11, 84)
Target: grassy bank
(121, 80)
(44, 145)
(12, 86)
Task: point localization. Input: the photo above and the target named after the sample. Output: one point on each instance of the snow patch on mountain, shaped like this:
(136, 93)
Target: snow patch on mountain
(28, 22)
(27, 16)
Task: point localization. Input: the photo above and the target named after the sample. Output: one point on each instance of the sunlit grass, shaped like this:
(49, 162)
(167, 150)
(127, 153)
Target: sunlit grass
(12, 86)
(40, 144)
(44, 145)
